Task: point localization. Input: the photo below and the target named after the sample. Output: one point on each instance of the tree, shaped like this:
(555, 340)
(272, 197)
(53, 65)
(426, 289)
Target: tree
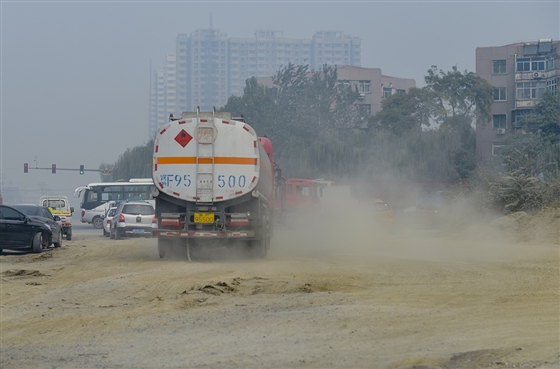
(544, 119)
(403, 113)
(457, 97)
(135, 162)
(256, 105)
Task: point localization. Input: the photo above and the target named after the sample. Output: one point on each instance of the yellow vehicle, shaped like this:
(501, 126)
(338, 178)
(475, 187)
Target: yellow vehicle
(59, 205)
(383, 212)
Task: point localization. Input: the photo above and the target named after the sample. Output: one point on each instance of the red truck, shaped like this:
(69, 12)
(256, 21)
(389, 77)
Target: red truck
(303, 195)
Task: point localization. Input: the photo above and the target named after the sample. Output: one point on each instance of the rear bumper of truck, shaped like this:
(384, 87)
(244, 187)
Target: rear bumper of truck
(203, 234)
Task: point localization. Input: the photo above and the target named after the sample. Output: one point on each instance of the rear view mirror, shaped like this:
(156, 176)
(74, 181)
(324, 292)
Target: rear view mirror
(71, 209)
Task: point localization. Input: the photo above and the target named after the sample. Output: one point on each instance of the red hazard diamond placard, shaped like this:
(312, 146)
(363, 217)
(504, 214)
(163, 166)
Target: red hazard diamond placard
(183, 138)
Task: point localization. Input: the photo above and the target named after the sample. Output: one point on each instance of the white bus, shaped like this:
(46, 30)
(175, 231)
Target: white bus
(96, 195)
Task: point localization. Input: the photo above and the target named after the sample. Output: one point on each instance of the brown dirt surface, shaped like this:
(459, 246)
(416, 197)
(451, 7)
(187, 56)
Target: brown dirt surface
(336, 291)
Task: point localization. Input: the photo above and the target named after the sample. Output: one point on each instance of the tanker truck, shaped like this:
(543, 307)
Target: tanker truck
(214, 185)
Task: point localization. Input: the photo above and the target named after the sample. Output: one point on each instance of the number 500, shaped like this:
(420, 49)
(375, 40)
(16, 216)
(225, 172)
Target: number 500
(231, 181)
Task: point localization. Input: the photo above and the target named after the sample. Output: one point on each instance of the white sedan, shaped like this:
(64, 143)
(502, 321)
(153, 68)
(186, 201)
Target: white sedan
(107, 220)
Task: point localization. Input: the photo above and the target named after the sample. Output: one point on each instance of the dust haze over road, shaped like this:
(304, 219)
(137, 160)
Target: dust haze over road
(336, 290)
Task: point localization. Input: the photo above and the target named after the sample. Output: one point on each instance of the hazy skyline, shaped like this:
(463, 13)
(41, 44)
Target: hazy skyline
(75, 74)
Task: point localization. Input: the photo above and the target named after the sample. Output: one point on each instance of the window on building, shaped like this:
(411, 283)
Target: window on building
(365, 109)
(551, 85)
(499, 94)
(496, 147)
(364, 86)
(530, 90)
(400, 92)
(498, 121)
(523, 64)
(517, 115)
(537, 63)
(387, 91)
(498, 66)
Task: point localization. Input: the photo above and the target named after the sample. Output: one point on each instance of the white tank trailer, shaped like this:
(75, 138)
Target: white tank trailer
(213, 185)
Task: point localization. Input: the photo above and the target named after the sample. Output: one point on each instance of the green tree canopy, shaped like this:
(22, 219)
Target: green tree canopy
(403, 113)
(544, 119)
(457, 97)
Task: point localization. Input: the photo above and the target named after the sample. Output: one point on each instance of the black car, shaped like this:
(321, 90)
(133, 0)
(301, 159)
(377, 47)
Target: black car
(43, 214)
(20, 232)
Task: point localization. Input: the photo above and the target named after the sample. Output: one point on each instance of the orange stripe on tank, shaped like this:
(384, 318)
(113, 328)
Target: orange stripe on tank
(217, 160)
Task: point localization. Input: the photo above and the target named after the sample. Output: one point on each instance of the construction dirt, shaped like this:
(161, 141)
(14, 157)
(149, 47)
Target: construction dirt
(336, 291)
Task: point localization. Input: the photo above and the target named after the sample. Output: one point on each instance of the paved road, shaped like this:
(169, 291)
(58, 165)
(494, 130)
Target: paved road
(79, 228)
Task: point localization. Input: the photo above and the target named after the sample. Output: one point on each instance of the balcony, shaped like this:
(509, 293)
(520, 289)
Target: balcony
(534, 75)
(525, 104)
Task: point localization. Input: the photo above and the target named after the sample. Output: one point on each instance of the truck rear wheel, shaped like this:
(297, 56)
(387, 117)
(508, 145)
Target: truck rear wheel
(259, 247)
(165, 247)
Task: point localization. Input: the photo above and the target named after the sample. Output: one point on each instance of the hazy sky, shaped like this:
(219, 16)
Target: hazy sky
(75, 74)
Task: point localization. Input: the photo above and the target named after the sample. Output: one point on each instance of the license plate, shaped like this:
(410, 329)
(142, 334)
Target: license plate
(137, 231)
(206, 218)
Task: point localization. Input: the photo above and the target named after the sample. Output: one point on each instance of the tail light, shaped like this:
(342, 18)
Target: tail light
(239, 222)
(154, 220)
(121, 218)
(108, 222)
(83, 213)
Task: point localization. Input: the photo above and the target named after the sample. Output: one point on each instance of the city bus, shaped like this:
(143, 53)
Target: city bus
(95, 196)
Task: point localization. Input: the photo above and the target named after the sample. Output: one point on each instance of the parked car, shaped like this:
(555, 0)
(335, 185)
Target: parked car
(20, 232)
(134, 218)
(43, 214)
(107, 220)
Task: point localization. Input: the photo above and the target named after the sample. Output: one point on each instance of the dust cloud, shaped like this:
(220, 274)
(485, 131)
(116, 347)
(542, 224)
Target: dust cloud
(346, 225)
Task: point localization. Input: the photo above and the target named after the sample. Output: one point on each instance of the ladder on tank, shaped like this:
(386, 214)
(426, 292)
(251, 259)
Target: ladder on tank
(205, 136)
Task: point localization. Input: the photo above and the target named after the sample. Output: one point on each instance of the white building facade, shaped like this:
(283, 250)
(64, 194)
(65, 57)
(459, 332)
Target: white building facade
(208, 67)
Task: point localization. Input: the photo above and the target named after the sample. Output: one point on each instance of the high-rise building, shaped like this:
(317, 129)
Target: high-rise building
(163, 94)
(208, 67)
(520, 73)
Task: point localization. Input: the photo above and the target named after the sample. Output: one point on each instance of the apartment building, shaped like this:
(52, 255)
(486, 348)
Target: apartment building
(163, 94)
(209, 66)
(520, 73)
(372, 85)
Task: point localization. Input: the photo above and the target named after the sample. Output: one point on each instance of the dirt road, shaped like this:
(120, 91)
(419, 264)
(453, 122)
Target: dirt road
(337, 293)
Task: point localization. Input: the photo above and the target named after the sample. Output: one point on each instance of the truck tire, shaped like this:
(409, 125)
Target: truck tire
(97, 222)
(37, 243)
(118, 236)
(165, 247)
(68, 236)
(259, 247)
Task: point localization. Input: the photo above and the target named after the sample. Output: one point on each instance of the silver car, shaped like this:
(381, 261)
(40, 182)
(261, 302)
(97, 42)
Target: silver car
(134, 218)
(107, 220)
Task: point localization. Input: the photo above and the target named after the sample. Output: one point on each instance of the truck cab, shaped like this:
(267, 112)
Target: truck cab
(59, 205)
(303, 195)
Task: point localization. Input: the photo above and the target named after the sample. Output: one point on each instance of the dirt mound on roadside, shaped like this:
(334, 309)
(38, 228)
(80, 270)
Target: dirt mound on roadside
(522, 227)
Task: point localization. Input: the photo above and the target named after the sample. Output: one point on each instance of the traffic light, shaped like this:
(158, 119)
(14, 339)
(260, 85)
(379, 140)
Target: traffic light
(25, 168)
(54, 168)
(81, 169)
